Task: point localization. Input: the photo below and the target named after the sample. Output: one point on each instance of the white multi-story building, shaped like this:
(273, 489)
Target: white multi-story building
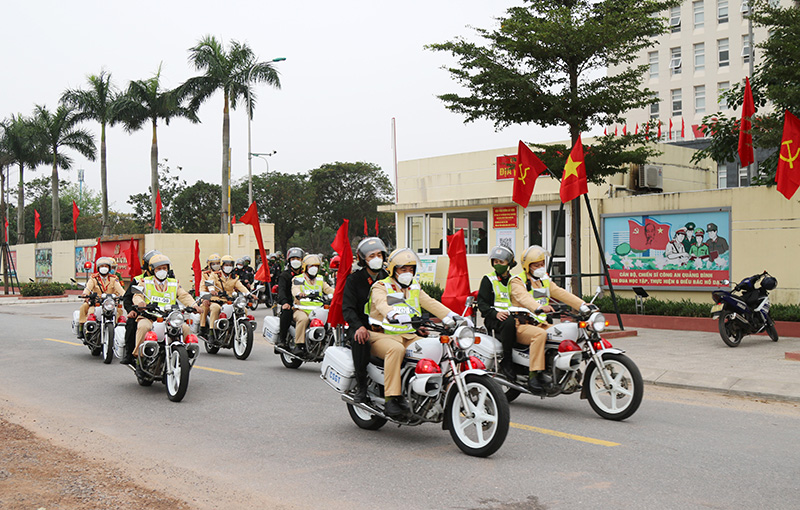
(709, 48)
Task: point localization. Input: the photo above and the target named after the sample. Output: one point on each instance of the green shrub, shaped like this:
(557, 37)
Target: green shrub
(43, 289)
(433, 290)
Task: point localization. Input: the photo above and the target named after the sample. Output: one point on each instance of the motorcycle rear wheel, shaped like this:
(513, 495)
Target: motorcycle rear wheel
(364, 419)
(178, 381)
(730, 335)
(290, 362)
(108, 345)
(627, 387)
(210, 348)
(484, 434)
(243, 340)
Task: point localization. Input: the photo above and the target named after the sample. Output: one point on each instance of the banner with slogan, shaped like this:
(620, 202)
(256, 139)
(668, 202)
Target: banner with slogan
(504, 217)
(505, 167)
(120, 251)
(680, 250)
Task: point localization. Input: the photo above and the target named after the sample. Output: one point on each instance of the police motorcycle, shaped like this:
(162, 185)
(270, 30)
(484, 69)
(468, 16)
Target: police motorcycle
(260, 295)
(319, 334)
(441, 382)
(612, 382)
(234, 327)
(165, 355)
(99, 333)
(744, 310)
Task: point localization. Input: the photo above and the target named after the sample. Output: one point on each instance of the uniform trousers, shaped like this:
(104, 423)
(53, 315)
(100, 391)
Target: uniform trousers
(392, 349)
(535, 337)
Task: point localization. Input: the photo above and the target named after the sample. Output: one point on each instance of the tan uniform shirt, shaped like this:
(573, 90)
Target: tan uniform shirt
(224, 283)
(380, 308)
(104, 285)
(520, 296)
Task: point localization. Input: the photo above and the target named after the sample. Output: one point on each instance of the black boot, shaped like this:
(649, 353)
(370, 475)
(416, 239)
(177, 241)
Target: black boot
(299, 350)
(534, 384)
(396, 407)
(80, 331)
(507, 368)
(204, 331)
(360, 393)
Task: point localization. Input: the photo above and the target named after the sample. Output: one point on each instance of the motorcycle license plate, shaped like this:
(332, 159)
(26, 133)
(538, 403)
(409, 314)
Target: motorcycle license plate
(716, 308)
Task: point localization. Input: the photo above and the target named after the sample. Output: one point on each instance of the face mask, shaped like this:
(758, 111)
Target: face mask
(215, 267)
(500, 268)
(405, 279)
(295, 263)
(312, 271)
(376, 263)
(161, 274)
(103, 270)
(539, 273)
(227, 269)
(239, 266)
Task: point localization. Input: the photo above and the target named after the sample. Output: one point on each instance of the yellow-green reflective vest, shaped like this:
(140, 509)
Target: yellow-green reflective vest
(543, 301)
(502, 297)
(164, 299)
(307, 304)
(402, 305)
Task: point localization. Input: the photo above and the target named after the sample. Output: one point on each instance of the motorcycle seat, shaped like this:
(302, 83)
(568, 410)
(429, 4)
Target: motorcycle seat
(378, 362)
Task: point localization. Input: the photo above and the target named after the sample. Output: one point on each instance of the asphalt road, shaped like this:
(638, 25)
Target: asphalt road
(255, 434)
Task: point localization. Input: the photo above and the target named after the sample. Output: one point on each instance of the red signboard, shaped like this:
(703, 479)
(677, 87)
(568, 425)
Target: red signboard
(505, 167)
(504, 217)
(667, 278)
(119, 251)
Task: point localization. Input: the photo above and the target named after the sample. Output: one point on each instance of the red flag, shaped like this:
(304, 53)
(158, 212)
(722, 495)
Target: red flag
(157, 221)
(615, 130)
(683, 129)
(670, 129)
(75, 213)
(197, 267)
(376, 226)
(625, 129)
(746, 156)
(605, 131)
(341, 245)
(37, 224)
(528, 169)
(251, 218)
(659, 130)
(788, 174)
(573, 183)
(636, 131)
(650, 236)
(366, 232)
(456, 288)
(5, 230)
(233, 219)
(134, 266)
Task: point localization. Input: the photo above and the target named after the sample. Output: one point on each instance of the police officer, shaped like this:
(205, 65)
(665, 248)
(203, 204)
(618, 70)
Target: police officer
(303, 285)
(285, 299)
(213, 268)
(127, 302)
(494, 300)
(245, 272)
(101, 282)
(371, 254)
(222, 282)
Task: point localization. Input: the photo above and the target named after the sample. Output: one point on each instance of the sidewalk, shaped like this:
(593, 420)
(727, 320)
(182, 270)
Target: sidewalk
(700, 360)
(16, 299)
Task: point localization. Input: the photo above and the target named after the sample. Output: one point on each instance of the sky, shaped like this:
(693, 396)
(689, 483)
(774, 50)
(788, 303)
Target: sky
(351, 66)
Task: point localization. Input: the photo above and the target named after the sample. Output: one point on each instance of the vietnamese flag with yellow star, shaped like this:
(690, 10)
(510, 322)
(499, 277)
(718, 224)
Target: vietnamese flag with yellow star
(573, 183)
(528, 168)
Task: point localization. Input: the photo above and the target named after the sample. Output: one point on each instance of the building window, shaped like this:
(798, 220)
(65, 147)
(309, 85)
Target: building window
(722, 88)
(654, 107)
(677, 102)
(747, 48)
(415, 234)
(700, 99)
(675, 19)
(699, 17)
(699, 56)
(675, 61)
(744, 178)
(723, 49)
(475, 225)
(653, 59)
(722, 175)
(722, 11)
(435, 233)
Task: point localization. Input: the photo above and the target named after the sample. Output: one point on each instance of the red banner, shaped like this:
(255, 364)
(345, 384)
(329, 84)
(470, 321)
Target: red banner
(504, 217)
(666, 278)
(505, 167)
(119, 251)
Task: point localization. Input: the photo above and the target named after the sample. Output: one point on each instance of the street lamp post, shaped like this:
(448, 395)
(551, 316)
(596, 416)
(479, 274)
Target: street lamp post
(249, 148)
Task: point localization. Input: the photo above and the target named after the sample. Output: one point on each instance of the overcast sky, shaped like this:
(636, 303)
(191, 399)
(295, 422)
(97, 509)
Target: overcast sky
(350, 67)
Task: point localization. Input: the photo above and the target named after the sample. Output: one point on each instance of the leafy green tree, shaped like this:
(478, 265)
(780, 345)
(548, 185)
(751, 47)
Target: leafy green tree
(55, 131)
(227, 71)
(144, 207)
(146, 101)
(195, 208)
(19, 145)
(541, 66)
(99, 103)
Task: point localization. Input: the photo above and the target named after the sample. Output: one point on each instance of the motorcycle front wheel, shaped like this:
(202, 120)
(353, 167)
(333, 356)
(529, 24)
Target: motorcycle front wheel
(624, 396)
(480, 426)
(108, 345)
(178, 380)
(243, 340)
(771, 331)
(731, 335)
(365, 419)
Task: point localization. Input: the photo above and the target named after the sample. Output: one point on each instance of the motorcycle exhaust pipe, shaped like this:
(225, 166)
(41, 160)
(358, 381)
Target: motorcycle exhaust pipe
(149, 349)
(90, 327)
(221, 324)
(316, 334)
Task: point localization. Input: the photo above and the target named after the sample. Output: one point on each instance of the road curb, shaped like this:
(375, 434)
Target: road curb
(774, 390)
(37, 301)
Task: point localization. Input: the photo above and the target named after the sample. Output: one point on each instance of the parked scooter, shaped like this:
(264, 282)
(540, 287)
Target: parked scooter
(744, 310)
(612, 382)
(234, 327)
(99, 332)
(319, 335)
(440, 382)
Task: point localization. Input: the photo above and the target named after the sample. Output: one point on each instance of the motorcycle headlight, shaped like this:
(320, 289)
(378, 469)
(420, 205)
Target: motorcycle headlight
(240, 302)
(108, 305)
(465, 337)
(597, 322)
(175, 320)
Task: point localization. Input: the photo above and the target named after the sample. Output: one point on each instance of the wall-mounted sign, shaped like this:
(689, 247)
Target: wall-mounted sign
(504, 217)
(505, 167)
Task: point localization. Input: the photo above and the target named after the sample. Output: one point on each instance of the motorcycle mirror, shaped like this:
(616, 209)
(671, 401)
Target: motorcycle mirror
(539, 293)
(725, 282)
(205, 296)
(137, 289)
(209, 283)
(469, 302)
(391, 300)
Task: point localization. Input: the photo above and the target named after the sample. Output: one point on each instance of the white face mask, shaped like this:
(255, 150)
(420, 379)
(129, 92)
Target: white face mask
(539, 273)
(215, 267)
(312, 271)
(227, 269)
(239, 266)
(295, 263)
(103, 270)
(405, 279)
(161, 274)
(375, 264)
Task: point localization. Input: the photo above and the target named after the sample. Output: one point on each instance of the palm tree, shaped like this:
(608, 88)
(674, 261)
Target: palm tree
(229, 72)
(19, 144)
(55, 131)
(146, 101)
(98, 103)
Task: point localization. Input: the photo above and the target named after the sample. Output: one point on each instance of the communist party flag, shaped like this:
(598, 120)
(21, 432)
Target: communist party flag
(745, 136)
(197, 267)
(788, 173)
(456, 288)
(37, 224)
(573, 183)
(341, 245)
(75, 213)
(528, 168)
(157, 222)
(650, 236)
(251, 218)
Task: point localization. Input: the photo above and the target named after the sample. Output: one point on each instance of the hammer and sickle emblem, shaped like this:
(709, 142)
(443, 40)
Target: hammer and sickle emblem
(790, 159)
(523, 173)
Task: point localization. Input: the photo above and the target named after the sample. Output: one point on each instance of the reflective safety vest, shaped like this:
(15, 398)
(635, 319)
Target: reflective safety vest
(164, 299)
(402, 305)
(502, 297)
(307, 304)
(543, 301)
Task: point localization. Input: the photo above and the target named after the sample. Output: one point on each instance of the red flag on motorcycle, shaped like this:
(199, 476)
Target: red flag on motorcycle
(75, 213)
(251, 218)
(157, 222)
(197, 268)
(456, 288)
(37, 224)
(134, 266)
(341, 245)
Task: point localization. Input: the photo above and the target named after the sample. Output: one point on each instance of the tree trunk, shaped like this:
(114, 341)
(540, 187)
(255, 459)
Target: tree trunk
(56, 206)
(21, 207)
(106, 228)
(153, 175)
(226, 144)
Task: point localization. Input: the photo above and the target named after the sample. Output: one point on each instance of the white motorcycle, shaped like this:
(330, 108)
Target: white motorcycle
(612, 382)
(441, 383)
(319, 335)
(233, 329)
(99, 332)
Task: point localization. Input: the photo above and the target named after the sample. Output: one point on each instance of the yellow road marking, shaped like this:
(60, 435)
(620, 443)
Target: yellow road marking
(564, 435)
(218, 370)
(62, 341)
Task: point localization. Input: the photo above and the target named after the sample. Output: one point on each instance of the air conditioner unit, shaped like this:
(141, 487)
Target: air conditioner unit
(651, 176)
